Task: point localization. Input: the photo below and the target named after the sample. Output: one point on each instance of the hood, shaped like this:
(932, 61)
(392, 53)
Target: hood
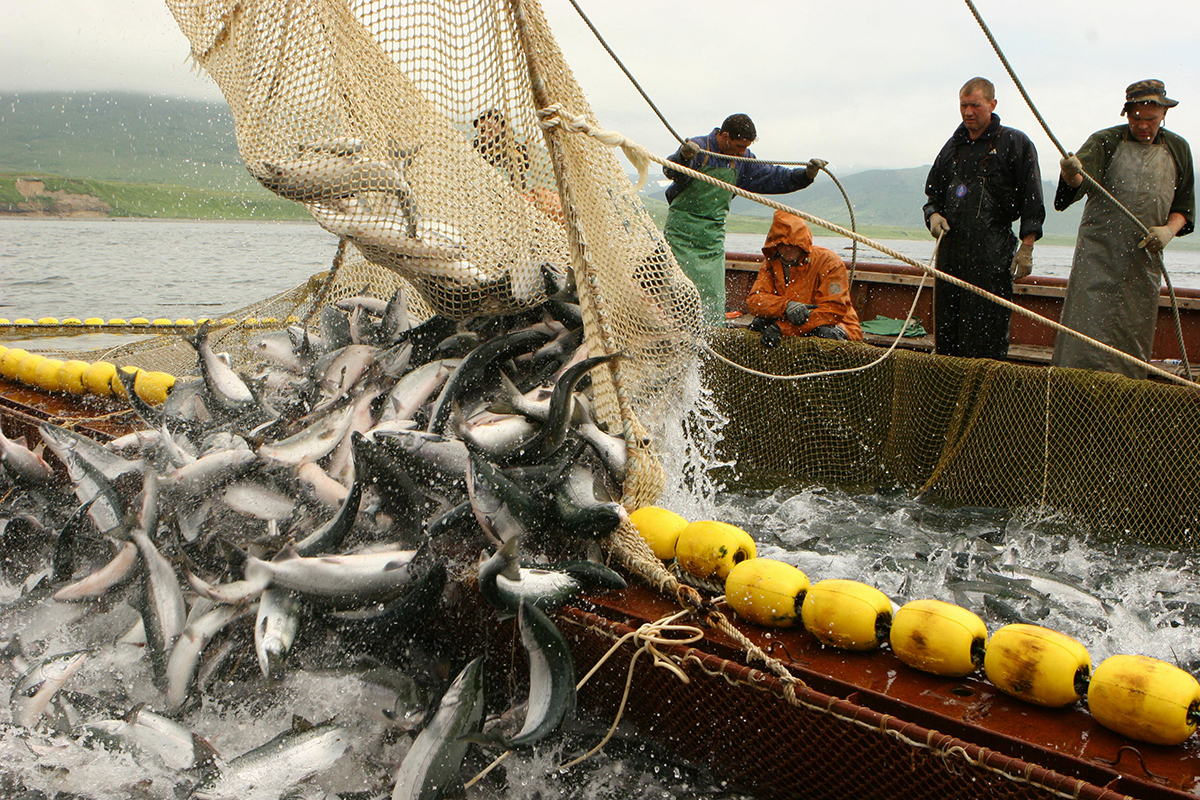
(787, 229)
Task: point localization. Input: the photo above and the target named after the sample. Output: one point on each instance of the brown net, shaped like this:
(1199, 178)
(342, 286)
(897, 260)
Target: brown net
(1102, 453)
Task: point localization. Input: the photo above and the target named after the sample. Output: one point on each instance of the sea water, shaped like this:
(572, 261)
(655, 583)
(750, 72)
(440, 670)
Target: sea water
(1032, 566)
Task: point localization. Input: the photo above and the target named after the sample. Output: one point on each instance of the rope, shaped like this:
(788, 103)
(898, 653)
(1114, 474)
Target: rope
(570, 122)
(649, 634)
(1092, 183)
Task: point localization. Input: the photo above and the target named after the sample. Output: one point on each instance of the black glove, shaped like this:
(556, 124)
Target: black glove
(829, 332)
(689, 150)
(797, 313)
(772, 335)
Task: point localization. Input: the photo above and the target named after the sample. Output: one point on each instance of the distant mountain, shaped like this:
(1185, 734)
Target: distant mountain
(883, 197)
(122, 137)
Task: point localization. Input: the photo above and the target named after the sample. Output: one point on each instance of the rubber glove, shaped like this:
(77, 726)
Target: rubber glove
(829, 332)
(1070, 166)
(772, 335)
(689, 150)
(938, 225)
(1158, 238)
(1022, 263)
(814, 166)
(797, 313)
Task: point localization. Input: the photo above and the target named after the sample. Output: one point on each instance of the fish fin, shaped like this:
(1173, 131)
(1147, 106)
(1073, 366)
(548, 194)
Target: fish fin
(512, 564)
(300, 724)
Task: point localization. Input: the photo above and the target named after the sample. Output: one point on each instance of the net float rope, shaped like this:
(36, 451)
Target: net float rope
(81, 378)
(25, 327)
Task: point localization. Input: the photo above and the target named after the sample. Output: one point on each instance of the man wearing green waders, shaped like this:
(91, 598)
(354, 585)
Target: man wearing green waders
(696, 218)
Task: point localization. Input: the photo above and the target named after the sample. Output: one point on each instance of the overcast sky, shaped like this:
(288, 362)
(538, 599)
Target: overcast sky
(861, 83)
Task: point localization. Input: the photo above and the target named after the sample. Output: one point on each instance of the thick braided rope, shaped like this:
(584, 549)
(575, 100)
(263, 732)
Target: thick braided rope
(639, 156)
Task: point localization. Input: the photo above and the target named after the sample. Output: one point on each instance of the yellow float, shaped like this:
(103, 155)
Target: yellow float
(711, 549)
(1145, 699)
(1037, 665)
(97, 378)
(45, 375)
(27, 366)
(70, 377)
(9, 360)
(153, 387)
(660, 528)
(847, 614)
(939, 637)
(766, 592)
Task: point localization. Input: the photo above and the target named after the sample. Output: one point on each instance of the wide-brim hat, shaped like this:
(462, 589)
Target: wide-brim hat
(1147, 91)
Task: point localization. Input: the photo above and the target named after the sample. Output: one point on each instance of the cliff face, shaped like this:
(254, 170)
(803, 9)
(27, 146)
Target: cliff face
(38, 202)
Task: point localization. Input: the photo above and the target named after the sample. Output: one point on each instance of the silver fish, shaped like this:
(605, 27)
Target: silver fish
(280, 764)
(329, 178)
(433, 763)
(355, 579)
(120, 569)
(275, 629)
(551, 677)
(225, 387)
(185, 655)
(38, 686)
(23, 464)
(164, 611)
(314, 442)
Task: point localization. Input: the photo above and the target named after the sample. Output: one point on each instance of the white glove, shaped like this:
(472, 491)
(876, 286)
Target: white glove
(1158, 238)
(815, 165)
(1022, 263)
(1070, 166)
(938, 226)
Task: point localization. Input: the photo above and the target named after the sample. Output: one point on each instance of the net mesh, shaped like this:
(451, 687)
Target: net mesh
(1098, 452)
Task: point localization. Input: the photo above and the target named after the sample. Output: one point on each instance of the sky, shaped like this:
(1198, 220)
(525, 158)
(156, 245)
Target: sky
(863, 84)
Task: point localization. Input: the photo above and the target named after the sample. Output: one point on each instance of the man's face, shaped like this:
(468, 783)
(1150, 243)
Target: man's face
(789, 253)
(1145, 120)
(731, 146)
(976, 112)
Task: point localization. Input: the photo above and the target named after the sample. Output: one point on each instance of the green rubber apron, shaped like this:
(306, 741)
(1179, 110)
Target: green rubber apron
(1112, 295)
(696, 232)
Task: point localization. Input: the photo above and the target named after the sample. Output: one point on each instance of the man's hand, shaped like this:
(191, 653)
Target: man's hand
(815, 165)
(689, 150)
(938, 225)
(1158, 238)
(1070, 166)
(1022, 263)
(772, 335)
(797, 313)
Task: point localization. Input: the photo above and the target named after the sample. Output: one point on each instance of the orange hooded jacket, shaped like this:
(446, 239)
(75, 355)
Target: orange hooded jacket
(820, 279)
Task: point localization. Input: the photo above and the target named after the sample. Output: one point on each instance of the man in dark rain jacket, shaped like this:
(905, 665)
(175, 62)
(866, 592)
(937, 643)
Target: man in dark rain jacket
(695, 226)
(1112, 295)
(985, 178)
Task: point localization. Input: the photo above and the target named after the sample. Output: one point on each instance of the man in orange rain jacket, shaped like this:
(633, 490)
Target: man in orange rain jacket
(801, 289)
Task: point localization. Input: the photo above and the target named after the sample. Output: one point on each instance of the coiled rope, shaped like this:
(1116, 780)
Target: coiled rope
(638, 155)
(1092, 183)
(681, 140)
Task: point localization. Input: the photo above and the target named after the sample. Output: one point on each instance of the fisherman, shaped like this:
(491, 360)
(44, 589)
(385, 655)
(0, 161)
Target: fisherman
(801, 289)
(985, 178)
(695, 225)
(1113, 291)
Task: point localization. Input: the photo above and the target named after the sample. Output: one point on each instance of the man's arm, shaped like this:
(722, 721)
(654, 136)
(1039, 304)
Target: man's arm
(763, 300)
(935, 184)
(1033, 206)
(831, 295)
(771, 178)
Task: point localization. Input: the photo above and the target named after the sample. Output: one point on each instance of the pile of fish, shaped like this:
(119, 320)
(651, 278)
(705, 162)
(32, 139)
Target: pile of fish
(327, 512)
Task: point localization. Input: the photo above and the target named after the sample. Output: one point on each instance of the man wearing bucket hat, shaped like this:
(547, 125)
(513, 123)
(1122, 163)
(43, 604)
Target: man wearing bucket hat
(1113, 291)
(695, 226)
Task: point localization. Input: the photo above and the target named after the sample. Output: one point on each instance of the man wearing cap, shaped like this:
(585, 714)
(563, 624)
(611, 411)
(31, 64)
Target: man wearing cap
(1112, 295)
(985, 178)
(695, 226)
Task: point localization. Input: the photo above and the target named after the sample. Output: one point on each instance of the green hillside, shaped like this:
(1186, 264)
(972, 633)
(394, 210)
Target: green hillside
(121, 137)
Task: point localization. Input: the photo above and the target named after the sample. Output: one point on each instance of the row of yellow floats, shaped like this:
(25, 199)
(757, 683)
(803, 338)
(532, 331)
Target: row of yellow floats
(80, 377)
(1137, 696)
(141, 322)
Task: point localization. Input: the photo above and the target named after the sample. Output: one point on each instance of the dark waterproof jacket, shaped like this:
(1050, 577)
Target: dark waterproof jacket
(981, 187)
